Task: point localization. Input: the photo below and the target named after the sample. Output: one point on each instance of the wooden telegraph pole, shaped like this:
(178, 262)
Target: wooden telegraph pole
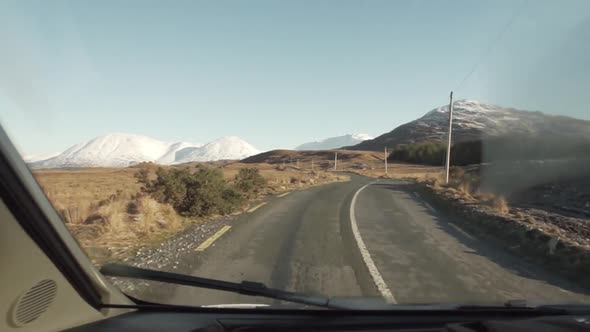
(385, 160)
(448, 159)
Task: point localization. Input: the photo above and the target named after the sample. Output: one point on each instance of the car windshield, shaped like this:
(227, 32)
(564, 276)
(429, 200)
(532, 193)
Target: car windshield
(405, 152)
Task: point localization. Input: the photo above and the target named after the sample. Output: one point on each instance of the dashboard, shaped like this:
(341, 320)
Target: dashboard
(327, 321)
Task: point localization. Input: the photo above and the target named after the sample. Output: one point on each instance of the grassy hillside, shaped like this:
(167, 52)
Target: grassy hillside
(320, 159)
(474, 121)
(305, 157)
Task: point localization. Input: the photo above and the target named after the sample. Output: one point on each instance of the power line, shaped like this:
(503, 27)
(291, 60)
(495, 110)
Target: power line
(488, 50)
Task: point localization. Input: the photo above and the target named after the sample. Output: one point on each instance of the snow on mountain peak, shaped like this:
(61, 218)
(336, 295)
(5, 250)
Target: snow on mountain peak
(361, 136)
(334, 142)
(473, 120)
(228, 147)
(122, 150)
(112, 150)
(176, 151)
(472, 115)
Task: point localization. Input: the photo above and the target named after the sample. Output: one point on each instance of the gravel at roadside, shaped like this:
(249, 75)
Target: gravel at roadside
(170, 256)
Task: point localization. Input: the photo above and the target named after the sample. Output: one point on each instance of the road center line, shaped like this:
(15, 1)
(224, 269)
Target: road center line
(284, 194)
(212, 239)
(373, 271)
(257, 207)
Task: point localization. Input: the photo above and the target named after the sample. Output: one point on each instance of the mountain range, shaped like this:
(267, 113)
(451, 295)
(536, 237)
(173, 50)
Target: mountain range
(473, 120)
(334, 142)
(122, 150)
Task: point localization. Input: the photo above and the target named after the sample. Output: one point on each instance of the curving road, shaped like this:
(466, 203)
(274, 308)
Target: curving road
(388, 244)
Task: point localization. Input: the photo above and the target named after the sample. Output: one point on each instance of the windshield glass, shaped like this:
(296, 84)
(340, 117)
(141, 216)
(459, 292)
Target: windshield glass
(305, 144)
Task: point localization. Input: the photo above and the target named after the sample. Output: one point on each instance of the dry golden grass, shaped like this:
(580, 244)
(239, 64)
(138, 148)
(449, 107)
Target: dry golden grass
(94, 204)
(500, 204)
(367, 163)
(304, 158)
(285, 178)
(527, 218)
(75, 193)
(464, 188)
(400, 171)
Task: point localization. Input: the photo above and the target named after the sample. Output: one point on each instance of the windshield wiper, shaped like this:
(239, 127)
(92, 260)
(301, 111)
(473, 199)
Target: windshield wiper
(251, 288)
(245, 287)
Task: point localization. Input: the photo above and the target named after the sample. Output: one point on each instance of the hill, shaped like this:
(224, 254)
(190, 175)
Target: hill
(473, 121)
(321, 159)
(334, 142)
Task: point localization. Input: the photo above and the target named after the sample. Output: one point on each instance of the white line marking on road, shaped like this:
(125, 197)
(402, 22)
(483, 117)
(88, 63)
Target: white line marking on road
(212, 239)
(284, 194)
(458, 229)
(377, 278)
(257, 207)
(430, 207)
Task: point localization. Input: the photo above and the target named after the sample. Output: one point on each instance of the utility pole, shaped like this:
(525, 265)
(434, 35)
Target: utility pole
(448, 160)
(297, 163)
(385, 160)
(335, 160)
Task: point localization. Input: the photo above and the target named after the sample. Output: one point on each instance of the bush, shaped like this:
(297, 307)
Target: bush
(249, 182)
(199, 193)
(142, 175)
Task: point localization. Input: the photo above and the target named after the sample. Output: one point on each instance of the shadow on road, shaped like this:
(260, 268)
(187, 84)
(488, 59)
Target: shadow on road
(486, 247)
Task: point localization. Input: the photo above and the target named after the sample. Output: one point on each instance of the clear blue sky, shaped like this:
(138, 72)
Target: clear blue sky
(277, 73)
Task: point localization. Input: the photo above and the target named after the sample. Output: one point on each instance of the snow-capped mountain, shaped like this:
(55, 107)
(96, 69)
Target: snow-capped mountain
(176, 151)
(122, 150)
(334, 142)
(474, 120)
(113, 150)
(229, 147)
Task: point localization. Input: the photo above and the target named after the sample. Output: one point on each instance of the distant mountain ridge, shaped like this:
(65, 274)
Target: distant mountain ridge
(122, 150)
(473, 120)
(334, 142)
(229, 147)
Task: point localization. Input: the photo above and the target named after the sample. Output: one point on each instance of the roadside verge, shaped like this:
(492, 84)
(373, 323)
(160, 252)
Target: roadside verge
(561, 257)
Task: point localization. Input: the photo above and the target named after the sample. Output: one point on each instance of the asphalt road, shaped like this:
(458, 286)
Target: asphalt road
(395, 246)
